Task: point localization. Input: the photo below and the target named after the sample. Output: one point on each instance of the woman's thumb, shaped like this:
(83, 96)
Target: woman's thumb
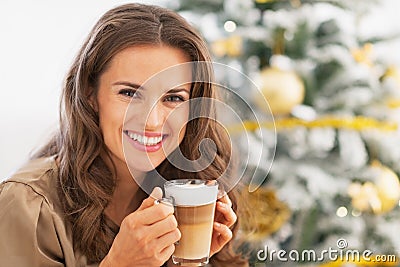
(148, 202)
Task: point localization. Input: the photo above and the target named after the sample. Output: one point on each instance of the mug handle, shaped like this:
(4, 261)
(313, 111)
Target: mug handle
(165, 200)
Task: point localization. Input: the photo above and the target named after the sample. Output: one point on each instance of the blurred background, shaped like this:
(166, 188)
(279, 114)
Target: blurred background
(330, 71)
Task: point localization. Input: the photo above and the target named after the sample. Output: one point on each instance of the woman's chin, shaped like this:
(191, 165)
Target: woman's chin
(137, 168)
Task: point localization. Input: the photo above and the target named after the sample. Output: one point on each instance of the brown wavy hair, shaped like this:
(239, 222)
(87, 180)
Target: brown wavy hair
(86, 184)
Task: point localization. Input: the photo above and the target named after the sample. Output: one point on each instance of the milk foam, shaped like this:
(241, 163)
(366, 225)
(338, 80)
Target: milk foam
(186, 194)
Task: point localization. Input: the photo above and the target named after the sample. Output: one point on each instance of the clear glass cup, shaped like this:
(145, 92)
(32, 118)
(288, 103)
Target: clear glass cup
(194, 202)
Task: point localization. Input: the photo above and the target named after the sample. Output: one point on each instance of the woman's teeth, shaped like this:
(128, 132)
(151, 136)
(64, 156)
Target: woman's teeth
(144, 140)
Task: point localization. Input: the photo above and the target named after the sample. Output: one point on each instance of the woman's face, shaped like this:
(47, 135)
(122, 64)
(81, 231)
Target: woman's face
(143, 117)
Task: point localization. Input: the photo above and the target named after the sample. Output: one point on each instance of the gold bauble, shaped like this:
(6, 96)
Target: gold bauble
(282, 89)
(364, 196)
(263, 214)
(379, 196)
(388, 188)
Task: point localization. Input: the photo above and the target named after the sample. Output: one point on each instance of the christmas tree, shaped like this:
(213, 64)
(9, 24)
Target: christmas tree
(335, 102)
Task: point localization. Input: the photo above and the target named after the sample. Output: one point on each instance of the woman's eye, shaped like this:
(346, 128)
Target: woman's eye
(127, 92)
(174, 98)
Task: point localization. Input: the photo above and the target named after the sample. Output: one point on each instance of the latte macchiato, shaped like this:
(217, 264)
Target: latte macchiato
(194, 202)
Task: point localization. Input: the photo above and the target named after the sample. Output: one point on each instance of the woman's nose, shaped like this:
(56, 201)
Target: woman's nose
(155, 118)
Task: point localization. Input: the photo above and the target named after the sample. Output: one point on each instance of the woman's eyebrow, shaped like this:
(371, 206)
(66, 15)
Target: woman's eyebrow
(137, 86)
(133, 85)
(178, 90)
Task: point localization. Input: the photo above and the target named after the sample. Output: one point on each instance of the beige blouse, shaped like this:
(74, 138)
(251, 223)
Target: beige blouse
(32, 229)
(33, 232)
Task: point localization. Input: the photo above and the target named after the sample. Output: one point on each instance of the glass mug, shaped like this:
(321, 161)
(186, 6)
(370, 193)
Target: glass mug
(194, 202)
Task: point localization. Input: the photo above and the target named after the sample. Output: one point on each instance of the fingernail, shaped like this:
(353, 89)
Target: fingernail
(156, 193)
(217, 224)
(221, 193)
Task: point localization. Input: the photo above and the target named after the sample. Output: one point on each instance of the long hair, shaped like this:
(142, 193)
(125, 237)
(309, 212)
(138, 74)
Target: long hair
(86, 183)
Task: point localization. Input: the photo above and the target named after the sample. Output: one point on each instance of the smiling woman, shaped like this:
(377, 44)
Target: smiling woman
(147, 131)
(77, 202)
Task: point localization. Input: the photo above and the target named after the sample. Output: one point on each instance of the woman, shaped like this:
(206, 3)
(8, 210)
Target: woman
(77, 203)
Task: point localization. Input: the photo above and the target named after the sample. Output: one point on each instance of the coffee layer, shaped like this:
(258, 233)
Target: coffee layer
(196, 225)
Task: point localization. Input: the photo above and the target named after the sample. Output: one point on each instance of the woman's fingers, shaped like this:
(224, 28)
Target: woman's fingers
(225, 199)
(155, 213)
(225, 217)
(147, 236)
(166, 253)
(148, 202)
(224, 212)
(169, 238)
(163, 227)
(221, 236)
(223, 233)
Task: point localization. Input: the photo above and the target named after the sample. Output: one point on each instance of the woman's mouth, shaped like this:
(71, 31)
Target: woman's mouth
(148, 142)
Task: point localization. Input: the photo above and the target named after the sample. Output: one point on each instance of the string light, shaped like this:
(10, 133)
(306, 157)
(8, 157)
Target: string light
(341, 212)
(230, 26)
(356, 213)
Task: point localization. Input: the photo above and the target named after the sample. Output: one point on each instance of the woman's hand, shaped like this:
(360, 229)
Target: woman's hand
(146, 236)
(225, 218)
